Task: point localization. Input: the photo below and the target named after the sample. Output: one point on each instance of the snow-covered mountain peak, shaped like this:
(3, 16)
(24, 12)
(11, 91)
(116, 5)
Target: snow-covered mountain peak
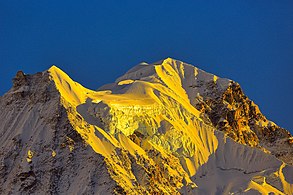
(166, 127)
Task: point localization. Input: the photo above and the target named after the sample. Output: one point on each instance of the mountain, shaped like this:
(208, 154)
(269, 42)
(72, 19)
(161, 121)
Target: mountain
(161, 128)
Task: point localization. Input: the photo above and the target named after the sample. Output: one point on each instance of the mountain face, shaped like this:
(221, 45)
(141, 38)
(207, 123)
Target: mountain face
(162, 128)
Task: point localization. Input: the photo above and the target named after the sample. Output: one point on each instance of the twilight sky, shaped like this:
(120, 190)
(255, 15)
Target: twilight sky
(249, 41)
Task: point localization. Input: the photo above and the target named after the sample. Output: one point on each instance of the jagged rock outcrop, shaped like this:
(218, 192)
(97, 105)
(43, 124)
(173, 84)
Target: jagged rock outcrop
(162, 128)
(232, 112)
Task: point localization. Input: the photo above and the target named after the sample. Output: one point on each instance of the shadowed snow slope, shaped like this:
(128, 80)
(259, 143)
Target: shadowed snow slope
(164, 128)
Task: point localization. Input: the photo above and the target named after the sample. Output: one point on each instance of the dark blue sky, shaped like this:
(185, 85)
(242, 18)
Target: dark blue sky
(249, 41)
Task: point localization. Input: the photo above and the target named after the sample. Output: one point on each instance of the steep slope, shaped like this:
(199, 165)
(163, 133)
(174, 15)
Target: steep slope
(40, 151)
(163, 128)
(232, 112)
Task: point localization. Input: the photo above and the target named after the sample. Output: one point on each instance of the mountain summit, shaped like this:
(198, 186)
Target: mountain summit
(161, 128)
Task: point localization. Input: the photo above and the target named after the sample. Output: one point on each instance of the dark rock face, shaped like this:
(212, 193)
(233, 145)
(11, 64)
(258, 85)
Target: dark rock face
(232, 112)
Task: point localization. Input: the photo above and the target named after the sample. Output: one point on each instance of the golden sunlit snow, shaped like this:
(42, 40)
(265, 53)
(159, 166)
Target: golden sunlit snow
(148, 109)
